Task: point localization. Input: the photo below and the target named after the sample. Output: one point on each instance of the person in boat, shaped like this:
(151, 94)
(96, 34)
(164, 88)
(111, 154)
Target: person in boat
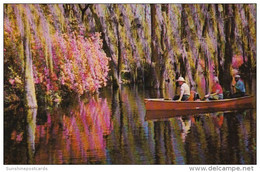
(216, 91)
(239, 87)
(184, 90)
(194, 95)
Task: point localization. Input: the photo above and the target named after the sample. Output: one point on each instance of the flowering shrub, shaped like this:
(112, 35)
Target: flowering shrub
(237, 61)
(61, 57)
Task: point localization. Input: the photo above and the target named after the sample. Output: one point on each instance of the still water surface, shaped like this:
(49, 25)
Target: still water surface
(112, 130)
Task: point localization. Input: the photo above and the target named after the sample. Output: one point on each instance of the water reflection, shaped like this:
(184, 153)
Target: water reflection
(76, 136)
(31, 127)
(112, 130)
(15, 144)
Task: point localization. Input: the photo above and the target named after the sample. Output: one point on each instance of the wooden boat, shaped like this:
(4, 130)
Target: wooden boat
(158, 106)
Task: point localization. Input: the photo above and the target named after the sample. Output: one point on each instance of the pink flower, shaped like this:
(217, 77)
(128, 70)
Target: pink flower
(12, 81)
(19, 137)
(57, 100)
(237, 61)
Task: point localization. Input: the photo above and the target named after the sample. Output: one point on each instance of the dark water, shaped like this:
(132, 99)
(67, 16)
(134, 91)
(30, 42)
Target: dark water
(112, 130)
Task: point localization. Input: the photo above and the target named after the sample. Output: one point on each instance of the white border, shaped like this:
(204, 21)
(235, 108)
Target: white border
(120, 168)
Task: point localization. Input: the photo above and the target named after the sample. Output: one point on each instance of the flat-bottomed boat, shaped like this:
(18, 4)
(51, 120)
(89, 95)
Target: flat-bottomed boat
(162, 104)
(157, 107)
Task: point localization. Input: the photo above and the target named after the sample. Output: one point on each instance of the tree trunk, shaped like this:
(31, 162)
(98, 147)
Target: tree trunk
(83, 10)
(249, 69)
(119, 43)
(30, 96)
(106, 48)
(220, 45)
(31, 128)
(229, 33)
(154, 81)
(186, 47)
(183, 37)
(206, 58)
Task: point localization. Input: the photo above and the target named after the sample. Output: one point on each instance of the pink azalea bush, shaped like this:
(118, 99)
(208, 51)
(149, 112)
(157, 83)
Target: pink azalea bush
(62, 58)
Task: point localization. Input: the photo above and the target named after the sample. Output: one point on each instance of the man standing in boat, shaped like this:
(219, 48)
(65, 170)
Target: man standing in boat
(216, 91)
(184, 90)
(240, 87)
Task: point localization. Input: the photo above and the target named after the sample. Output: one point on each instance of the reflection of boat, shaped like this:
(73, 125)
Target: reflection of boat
(160, 108)
(165, 114)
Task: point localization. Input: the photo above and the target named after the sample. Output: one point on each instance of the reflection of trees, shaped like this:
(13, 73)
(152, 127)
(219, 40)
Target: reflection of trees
(168, 142)
(203, 143)
(169, 137)
(164, 153)
(131, 137)
(75, 136)
(240, 146)
(185, 127)
(221, 139)
(159, 143)
(86, 128)
(215, 138)
(252, 133)
(218, 119)
(31, 128)
(15, 150)
(87, 133)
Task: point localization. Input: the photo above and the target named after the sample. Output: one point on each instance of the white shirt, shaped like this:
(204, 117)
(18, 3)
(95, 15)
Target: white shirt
(185, 89)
